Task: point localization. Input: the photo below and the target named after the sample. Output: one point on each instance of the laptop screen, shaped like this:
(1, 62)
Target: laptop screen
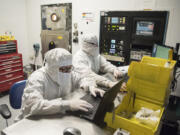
(107, 100)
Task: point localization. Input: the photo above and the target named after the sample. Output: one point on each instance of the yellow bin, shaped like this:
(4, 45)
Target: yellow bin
(150, 80)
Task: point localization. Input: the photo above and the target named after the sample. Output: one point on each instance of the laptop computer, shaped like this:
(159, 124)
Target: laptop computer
(100, 104)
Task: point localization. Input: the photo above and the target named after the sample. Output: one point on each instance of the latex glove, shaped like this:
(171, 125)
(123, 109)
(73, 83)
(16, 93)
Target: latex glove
(78, 104)
(111, 84)
(93, 90)
(105, 83)
(117, 73)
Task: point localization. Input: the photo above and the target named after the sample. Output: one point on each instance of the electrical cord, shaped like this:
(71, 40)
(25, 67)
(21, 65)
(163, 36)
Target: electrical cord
(175, 81)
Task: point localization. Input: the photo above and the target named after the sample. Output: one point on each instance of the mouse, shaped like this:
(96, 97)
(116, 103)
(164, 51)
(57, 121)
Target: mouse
(71, 131)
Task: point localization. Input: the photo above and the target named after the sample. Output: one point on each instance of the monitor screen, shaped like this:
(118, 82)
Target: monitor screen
(113, 41)
(144, 28)
(112, 51)
(114, 20)
(113, 46)
(160, 51)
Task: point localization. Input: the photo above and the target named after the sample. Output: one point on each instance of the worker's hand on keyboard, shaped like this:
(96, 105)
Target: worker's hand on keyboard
(78, 104)
(93, 90)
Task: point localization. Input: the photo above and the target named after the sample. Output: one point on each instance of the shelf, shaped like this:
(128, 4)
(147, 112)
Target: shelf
(113, 58)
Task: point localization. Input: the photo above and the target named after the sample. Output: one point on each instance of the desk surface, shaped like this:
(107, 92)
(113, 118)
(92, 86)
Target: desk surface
(52, 125)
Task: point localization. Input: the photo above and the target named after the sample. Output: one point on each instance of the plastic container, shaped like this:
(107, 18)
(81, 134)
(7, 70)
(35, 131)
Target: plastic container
(149, 81)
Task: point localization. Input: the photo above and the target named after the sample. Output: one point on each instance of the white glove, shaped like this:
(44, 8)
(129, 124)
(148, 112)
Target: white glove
(93, 90)
(78, 104)
(117, 73)
(105, 83)
(111, 84)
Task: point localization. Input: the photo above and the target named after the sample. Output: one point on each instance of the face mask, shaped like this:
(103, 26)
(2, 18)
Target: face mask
(64, 76)
(64, 80)
(94, 51)
(53, 73)
(90, 49)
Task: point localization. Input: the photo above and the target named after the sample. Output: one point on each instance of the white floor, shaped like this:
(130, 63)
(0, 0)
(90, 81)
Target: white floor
(5, 100)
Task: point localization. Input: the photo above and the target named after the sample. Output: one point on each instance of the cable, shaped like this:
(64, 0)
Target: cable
(36, 49)
(175, 81)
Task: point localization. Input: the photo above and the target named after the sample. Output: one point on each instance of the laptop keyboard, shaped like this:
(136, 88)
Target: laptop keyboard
(94, 101)
(100, 105)
(90, 114)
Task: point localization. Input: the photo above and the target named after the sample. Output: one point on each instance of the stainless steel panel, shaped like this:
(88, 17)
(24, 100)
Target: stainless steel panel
(60, 38)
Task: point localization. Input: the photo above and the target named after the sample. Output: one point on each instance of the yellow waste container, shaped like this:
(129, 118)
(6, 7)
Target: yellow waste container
(148, 86)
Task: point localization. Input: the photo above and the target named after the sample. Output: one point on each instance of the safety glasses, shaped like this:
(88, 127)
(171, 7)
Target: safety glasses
(66, 69)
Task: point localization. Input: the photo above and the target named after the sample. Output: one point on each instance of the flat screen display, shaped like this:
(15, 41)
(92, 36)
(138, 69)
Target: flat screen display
(113, 46)
(112, 51)
(113, 41)
(114, 20)
(160, 51)
(145, 28)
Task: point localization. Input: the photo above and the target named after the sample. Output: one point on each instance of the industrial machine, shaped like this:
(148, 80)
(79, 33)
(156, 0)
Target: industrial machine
(129, 35)
(56, 21)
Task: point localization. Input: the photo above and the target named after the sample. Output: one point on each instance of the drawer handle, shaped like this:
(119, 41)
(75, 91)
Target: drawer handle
(8, 76)
(15, 57)
(8, 70)
(7, 62)
(11, 79)
(10, 59)
(9, 66)
(10, 62)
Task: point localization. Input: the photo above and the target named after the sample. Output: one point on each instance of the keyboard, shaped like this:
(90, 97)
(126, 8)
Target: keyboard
(100, 104)
(95, 102)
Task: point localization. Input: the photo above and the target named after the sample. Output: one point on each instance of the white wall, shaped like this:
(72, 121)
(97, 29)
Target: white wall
(13, 19)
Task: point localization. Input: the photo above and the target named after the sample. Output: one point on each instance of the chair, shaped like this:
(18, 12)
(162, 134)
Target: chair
(15, 95)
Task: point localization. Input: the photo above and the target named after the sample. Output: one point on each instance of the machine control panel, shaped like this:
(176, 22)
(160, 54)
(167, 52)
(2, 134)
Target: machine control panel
(129, 35)
(113, 42)
(114, 24)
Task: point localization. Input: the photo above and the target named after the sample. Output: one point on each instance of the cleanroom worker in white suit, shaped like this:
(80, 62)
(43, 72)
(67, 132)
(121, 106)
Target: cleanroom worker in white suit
(47, 87)
(88, 60)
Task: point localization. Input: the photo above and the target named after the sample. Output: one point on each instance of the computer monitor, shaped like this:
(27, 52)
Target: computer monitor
(114, 20)
(162, 51)
(145, 28)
